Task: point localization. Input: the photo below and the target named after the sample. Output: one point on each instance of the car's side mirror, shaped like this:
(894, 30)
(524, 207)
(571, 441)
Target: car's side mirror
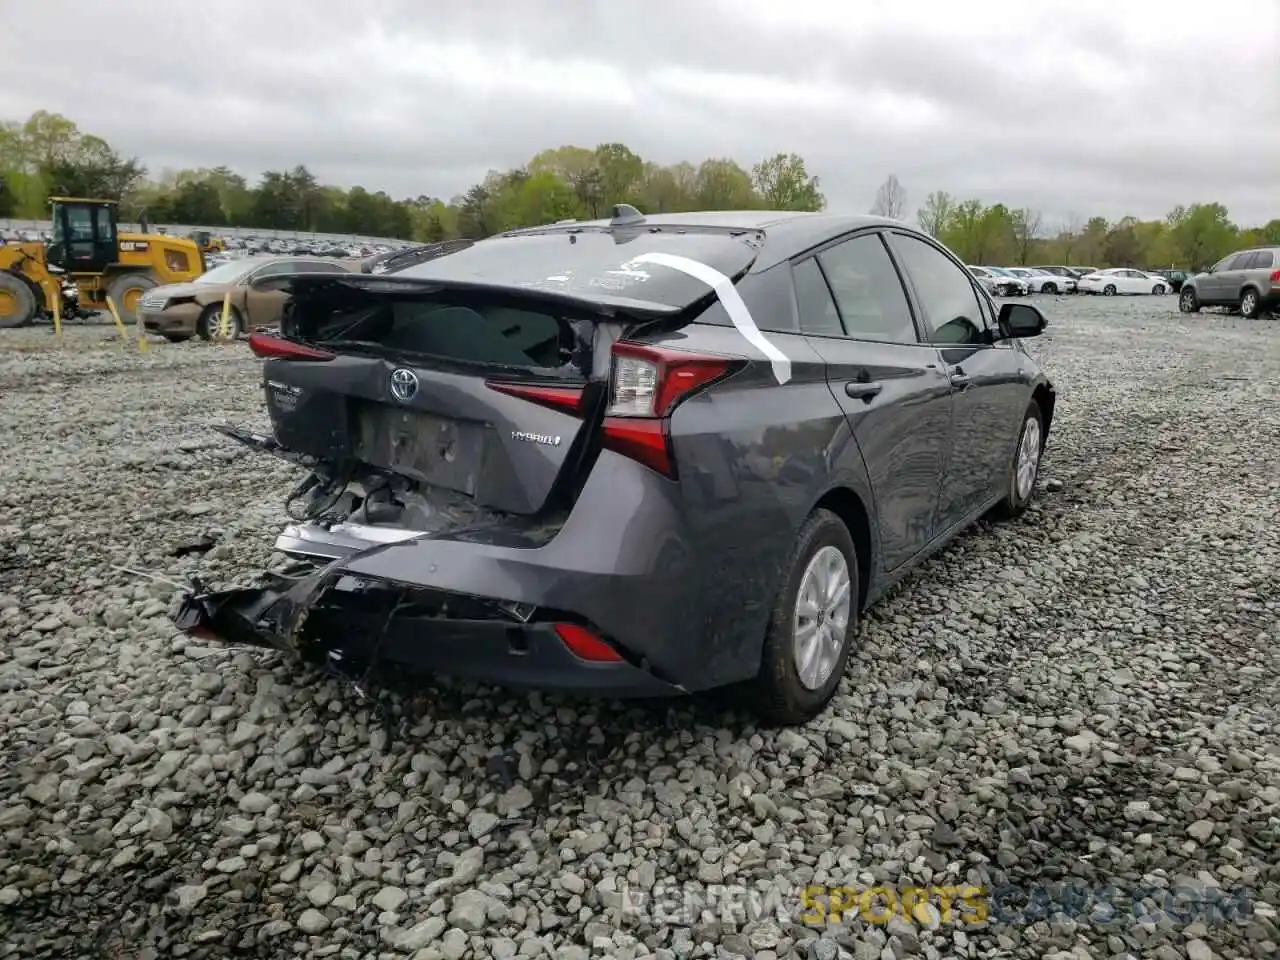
(1019, 320)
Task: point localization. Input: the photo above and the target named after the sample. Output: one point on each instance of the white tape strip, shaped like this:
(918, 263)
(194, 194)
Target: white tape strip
(733, 306)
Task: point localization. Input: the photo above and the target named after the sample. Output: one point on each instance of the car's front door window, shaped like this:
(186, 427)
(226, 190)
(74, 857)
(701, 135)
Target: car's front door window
(953, 314)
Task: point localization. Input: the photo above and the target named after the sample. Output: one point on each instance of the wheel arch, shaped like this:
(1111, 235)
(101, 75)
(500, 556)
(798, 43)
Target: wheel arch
(853, 513)
(1046, 398)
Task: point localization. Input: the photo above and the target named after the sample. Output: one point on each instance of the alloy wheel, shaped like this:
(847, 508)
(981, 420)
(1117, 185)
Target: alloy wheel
(821, 619)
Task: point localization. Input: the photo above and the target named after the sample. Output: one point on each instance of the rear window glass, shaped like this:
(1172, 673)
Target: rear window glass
(594, 265)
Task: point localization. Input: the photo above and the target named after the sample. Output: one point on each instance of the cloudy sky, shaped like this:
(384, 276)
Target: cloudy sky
(1072, 108)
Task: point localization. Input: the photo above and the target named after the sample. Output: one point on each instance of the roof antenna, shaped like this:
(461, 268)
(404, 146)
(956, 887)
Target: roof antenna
(625, 215)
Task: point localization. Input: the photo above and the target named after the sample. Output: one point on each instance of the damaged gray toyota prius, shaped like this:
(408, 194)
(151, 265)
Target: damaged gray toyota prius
(635, 456)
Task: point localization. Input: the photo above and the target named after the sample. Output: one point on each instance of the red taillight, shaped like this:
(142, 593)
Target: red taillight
(647, 384)
(585, 645)
(650, 381)
(1275, 276)
(271, 347)
(644, 441)
(564, 399)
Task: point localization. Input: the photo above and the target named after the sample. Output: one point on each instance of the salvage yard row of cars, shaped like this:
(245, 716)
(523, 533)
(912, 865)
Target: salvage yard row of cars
(1020, 281)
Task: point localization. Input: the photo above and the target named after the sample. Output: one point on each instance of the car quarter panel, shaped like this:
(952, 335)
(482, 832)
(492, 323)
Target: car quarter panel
(754, 457)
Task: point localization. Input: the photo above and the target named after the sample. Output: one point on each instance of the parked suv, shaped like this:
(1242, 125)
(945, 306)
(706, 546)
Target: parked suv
(1248, 280)
(646, 455)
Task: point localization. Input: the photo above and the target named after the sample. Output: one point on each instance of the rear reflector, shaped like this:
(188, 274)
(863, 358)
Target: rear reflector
(271, 347)
(585, 645)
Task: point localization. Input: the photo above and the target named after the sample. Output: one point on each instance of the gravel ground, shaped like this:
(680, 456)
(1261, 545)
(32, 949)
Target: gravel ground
(1084, 697)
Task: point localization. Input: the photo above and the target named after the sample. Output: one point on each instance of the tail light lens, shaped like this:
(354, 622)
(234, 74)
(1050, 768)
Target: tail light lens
(1275, 276)
(278, 348)
(646, 385)
(650, 382)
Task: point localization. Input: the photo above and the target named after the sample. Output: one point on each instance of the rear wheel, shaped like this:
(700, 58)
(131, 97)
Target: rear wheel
(1158, 289)
(1188, 302)
(17, 302)
(1051, 288)
(1249, 304)
(812, 625)
(126, 290)
(1025, 467)
(209, 326)
(1109, 290)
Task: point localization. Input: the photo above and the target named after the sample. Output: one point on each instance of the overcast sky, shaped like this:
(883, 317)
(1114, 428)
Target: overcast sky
(1085, 107)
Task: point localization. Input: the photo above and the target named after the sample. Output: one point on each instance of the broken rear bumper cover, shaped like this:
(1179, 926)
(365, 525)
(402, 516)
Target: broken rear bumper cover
(354, 623)
(602, 607)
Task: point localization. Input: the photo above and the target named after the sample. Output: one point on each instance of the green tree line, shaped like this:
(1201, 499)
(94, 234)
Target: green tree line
(48, 155)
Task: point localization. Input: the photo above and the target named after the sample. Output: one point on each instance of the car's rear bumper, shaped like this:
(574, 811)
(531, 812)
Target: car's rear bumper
(483, 604)
(355, 639)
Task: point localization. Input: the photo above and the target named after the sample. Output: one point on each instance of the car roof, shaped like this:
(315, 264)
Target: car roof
(784, 233)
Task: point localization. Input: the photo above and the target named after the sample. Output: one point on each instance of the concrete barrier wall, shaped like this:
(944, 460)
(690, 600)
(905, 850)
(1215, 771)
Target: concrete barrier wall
(182, 230)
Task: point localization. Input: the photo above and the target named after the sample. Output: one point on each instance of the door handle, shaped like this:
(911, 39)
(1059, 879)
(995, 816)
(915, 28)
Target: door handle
(864, 390)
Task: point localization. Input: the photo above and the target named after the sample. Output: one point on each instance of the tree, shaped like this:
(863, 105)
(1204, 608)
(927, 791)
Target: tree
(1202, 233)
(723, 185)
(891, 199)
(783, 183)
(620, 172)
(936, 213)
(196, 202)
(1026, 229)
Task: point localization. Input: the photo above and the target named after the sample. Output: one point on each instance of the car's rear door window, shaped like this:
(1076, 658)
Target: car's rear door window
(1265, 260)
(818, 313)
(866, 288)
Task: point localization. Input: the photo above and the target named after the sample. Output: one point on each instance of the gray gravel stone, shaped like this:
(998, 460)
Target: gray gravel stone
(1084, 696)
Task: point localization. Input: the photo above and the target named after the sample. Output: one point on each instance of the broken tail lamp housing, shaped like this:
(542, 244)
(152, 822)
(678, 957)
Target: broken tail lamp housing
(646, 384)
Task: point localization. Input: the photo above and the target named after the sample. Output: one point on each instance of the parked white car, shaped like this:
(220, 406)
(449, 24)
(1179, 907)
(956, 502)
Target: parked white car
(1122, 280)
(1038, 281)
(1000, 283)
(1054, 282)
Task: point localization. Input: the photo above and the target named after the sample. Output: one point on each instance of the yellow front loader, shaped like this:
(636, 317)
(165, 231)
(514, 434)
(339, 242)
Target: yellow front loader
(88, 253)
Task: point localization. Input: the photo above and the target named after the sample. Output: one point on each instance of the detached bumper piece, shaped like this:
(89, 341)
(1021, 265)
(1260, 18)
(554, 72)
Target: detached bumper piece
(355, 624)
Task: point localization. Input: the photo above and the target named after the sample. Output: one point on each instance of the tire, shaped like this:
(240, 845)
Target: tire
(1050, 288)
(125, 291)
(1158, 289)
(784, 696)
(211, 319)
(17, 302)
(1109, 290)
(1020, 486)
(1188, 302)
(1249, 304)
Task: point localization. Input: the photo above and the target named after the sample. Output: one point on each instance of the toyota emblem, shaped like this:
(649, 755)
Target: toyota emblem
(404, 384)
